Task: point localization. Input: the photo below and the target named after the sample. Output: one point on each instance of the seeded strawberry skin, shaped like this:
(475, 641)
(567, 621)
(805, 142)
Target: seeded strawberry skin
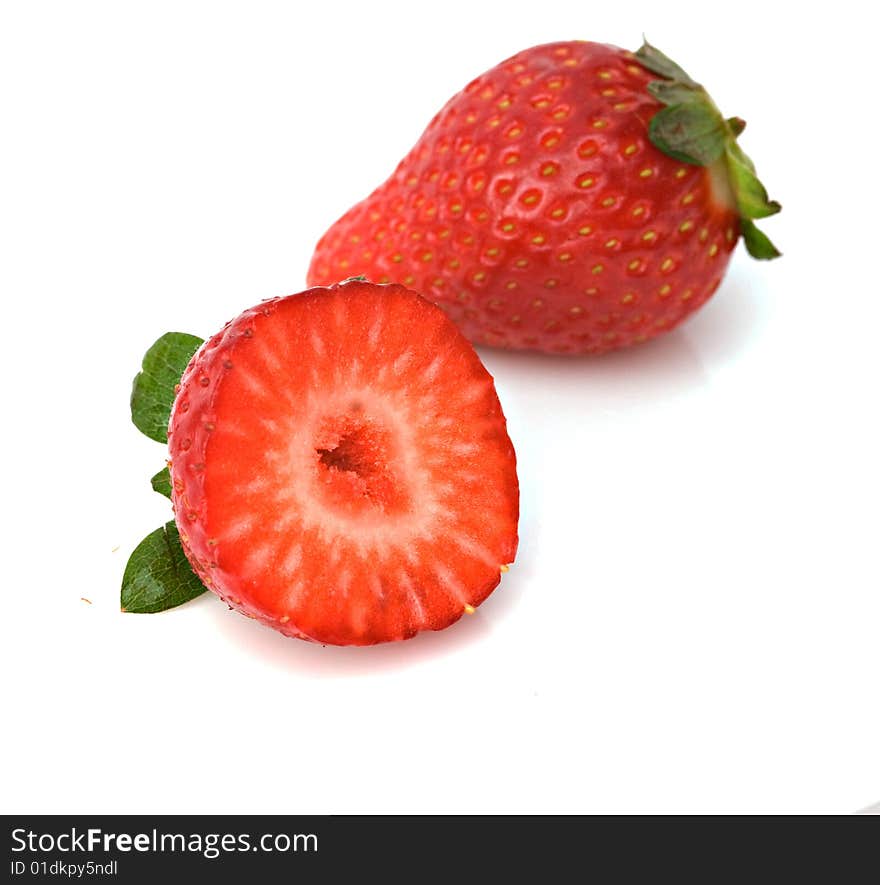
(272, 515)
(538, 214)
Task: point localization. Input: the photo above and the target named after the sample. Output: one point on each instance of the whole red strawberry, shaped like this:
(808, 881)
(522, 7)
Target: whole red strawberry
(341, 468)
(577, 198)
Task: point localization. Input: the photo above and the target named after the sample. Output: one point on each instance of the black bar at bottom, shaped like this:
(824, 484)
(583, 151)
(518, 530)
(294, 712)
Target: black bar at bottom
(552, 849)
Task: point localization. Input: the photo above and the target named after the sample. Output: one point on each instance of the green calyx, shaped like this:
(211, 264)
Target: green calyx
(692, 129)
(158, 575)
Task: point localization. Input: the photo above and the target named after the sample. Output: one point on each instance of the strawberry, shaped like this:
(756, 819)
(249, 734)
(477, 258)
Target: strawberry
(577, 198)
(340, 466)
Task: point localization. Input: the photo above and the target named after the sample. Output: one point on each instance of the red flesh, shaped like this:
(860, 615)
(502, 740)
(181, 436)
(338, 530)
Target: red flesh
(341, 467)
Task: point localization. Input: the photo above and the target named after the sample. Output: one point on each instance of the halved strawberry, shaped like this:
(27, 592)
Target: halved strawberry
(341, 467)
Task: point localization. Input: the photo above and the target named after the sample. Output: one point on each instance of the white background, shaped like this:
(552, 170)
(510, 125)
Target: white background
(693, 620)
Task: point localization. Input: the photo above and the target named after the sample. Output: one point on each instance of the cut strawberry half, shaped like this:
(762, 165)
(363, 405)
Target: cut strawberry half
(341, 466)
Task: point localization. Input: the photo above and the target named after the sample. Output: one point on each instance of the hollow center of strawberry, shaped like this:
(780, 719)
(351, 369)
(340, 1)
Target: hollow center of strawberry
(355, 461)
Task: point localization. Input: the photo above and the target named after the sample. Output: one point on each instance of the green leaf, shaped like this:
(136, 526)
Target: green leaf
(692, 130)
(654, 60)
(161, 482)
(673, 92)
(694, 133)
(751, 196)
(152, 393)
(158, 575)
(757, 242)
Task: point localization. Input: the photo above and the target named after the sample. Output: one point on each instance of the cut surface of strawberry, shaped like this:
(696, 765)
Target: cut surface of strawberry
(341, 467)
